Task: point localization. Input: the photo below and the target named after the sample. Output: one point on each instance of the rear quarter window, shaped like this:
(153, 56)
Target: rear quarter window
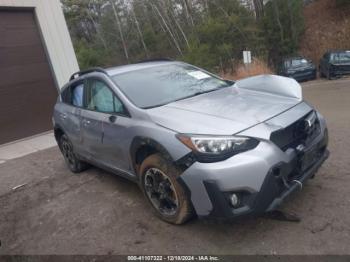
(73, 94)
(65, 96)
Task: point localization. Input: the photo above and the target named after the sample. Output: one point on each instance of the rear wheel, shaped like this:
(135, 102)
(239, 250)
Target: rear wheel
(163, 191)
(74, 164)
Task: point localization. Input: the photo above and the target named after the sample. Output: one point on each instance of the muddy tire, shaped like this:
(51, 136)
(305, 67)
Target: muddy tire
(74, 164)
(158, 181)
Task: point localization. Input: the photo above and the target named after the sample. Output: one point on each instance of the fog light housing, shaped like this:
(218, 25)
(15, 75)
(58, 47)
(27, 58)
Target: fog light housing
(234, 200)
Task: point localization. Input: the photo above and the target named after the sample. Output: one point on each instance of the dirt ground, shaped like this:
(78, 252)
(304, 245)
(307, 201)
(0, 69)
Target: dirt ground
(99, 213)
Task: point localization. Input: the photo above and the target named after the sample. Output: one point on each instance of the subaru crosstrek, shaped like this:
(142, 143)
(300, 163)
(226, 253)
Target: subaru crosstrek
(196, 144)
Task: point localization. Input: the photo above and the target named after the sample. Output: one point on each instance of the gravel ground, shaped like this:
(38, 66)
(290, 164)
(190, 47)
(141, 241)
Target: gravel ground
(56, 212)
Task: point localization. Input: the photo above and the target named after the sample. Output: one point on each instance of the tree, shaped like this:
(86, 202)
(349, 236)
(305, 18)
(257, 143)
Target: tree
(208, 33)
(283, 25)
(259, 8)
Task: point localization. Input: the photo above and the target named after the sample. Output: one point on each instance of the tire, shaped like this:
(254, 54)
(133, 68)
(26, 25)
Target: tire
(158, 182)
(321, 74)
(329, 77)
(74, 164)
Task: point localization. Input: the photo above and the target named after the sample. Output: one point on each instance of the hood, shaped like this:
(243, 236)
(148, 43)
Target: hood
(223, 112)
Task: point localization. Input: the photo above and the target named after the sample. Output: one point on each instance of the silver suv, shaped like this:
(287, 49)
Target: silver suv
(196, 144)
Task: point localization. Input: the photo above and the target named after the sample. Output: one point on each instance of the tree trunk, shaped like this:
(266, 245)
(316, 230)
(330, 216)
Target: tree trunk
(259, 8)
(180, 29)
(103, 41)
(292, 26)
(140, 32)
(168, 29)
(120, 31)
(277, 16)
(188, 11)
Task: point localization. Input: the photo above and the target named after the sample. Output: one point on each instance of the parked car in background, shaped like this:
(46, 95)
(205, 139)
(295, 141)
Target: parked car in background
(335, 63)
(196, 144)
(299, 68)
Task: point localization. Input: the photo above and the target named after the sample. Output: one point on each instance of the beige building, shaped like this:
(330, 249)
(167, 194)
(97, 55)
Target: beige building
(36, 59)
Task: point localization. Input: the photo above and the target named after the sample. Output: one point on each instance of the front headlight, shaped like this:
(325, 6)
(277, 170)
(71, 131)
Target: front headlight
(216, 148)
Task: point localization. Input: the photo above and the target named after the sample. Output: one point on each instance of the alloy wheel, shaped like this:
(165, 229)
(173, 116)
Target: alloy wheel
(161, 192)
(68, 153)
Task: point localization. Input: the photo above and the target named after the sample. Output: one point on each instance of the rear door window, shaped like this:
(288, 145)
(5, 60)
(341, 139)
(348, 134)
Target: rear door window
(77, 95)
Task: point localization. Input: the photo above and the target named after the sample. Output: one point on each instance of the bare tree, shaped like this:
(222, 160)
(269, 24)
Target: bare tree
(292, 25)
(167, 28)
(139, 31)
(120, 30)
(259, 8)
(180, 28)
(188, 10)
(277, 16)
(96, 26)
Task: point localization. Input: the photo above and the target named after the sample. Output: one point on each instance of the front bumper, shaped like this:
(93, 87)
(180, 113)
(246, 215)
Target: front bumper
(337, 73)
(273, 192)
(304, 75)
(262, 178)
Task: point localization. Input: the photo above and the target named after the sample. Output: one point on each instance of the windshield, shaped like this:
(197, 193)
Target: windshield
(160, 85)
(343, 57)
(296, 62)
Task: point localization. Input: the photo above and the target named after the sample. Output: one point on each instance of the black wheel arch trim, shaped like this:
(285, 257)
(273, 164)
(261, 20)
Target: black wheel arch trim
(139, 142)
(183, 163)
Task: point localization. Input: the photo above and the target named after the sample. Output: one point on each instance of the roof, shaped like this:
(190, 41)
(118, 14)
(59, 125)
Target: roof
(112, 71)
(132, 67)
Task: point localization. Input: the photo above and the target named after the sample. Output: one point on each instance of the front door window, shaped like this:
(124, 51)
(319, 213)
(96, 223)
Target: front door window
(101, 99)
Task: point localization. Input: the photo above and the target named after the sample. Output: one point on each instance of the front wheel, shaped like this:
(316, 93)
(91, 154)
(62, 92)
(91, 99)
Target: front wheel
(163, 191)
(321, 74)
(329, 76)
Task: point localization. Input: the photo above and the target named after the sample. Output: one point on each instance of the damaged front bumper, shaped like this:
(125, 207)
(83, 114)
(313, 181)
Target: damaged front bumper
(262, 179)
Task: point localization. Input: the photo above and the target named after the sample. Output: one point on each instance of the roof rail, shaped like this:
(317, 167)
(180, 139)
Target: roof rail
(155, 60)
(87, 71)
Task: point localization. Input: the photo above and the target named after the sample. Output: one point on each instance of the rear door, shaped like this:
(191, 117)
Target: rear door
(68, 114)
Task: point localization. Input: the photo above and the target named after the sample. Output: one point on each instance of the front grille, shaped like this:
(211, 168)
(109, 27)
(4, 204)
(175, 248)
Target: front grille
(299, 132)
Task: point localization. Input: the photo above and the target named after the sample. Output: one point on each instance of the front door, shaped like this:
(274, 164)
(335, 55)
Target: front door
(104, 126)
